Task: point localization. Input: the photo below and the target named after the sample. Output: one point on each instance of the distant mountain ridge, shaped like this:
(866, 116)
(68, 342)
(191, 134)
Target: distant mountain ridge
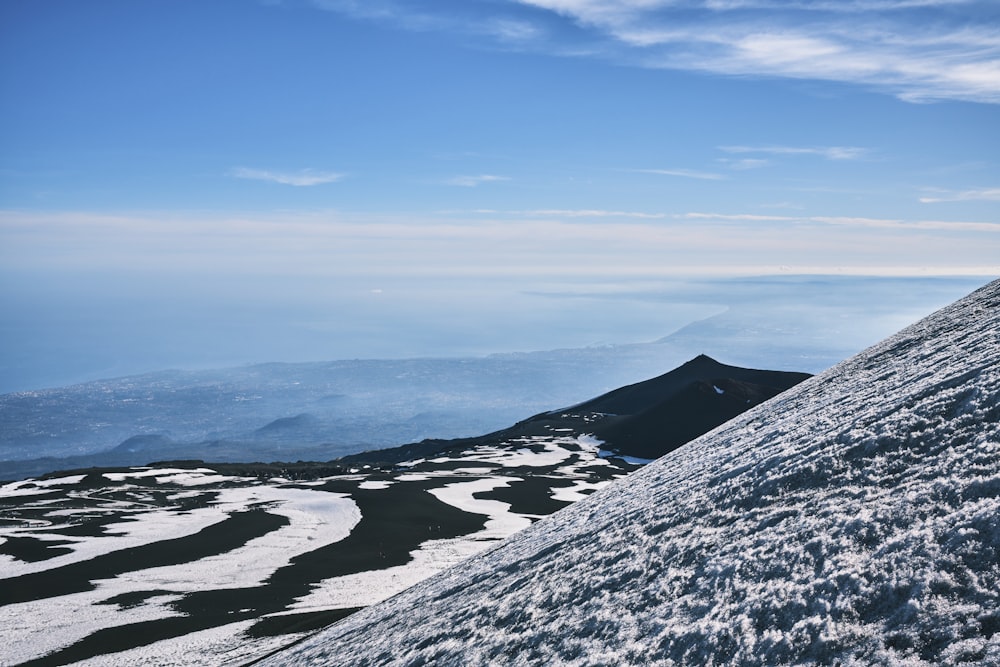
(300, 434)
(642, 396)
(643, 420)
(649, 419)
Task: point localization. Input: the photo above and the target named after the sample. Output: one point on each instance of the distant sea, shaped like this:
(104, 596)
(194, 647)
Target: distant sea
(99, 329)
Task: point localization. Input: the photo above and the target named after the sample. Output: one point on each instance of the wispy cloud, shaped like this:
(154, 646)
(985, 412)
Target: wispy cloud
(841, 6)
(786, 221)
(683, 173)
(742, 164)
(919, 50)
(512, 244)
(592, 213)
(507, 25)
(512, 30)
(474, 181)
(984, 194)
(828, 152)
(301, 178)
(783, 205)
(850, 221)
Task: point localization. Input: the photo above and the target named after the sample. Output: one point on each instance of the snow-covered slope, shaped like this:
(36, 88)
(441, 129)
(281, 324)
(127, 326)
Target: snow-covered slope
(853, 519)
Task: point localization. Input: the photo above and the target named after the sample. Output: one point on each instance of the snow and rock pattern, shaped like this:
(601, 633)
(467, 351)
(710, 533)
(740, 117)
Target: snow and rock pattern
(221, 565)
(853, 520)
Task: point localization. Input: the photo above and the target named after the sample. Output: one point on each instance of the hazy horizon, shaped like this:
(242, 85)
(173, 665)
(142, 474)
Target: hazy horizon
(822, 319)
(196, 185)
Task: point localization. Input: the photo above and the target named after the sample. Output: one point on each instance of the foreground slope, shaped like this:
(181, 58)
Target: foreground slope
(855, 518)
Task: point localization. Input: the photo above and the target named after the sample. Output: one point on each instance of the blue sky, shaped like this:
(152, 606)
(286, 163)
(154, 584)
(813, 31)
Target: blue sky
(202, 162)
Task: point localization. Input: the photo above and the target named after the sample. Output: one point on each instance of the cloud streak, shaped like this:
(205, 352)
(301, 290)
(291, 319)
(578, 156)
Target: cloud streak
(779, 221)
(683, 173)
(513, 243)
(301, 178)
(828, 152)
(474, 181)
(918, 50)
(855, 221)
(743, 164)
(592, 213)
(985, 194)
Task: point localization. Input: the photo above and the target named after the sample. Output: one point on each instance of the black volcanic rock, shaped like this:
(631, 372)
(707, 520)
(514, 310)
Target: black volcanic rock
(691, 412)
(636, 398)
(650, 418)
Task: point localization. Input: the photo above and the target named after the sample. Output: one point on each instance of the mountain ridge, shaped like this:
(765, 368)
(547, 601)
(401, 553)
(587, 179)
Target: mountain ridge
(626, 419)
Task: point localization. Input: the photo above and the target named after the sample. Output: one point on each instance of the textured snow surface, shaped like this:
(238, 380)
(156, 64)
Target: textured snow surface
(855, 518)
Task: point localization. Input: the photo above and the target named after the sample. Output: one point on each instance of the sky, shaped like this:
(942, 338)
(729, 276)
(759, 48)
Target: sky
(202, 183)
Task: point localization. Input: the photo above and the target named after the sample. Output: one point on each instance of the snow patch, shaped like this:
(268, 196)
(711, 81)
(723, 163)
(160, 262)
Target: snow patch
(375, 485)
(502, 522)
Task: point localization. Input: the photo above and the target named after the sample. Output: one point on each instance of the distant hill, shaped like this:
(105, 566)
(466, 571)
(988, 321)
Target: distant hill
(308, 411)
(643, 420)
(649, 419)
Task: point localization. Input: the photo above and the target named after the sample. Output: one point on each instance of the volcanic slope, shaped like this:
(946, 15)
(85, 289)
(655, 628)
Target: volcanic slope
(644, 420)
(854, 519)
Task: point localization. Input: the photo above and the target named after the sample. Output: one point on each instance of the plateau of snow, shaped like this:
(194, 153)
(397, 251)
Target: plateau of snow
(854, 519)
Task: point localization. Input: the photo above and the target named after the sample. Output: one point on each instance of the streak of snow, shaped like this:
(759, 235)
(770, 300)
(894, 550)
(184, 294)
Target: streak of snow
(198, 479)
(153, 526)
(316, 518)
(36, 486)
(375, 485)
(373, 586)
(140, 473)
(502, 521)
(366, 588)
(223, 646)
(32, 629)
(181, 495)
(413, 477)
(572, 494)
(589, 443)
(552, 454)
(635, 460)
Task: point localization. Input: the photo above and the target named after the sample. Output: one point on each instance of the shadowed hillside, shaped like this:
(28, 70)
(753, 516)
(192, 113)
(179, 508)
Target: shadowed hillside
(643, 420)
